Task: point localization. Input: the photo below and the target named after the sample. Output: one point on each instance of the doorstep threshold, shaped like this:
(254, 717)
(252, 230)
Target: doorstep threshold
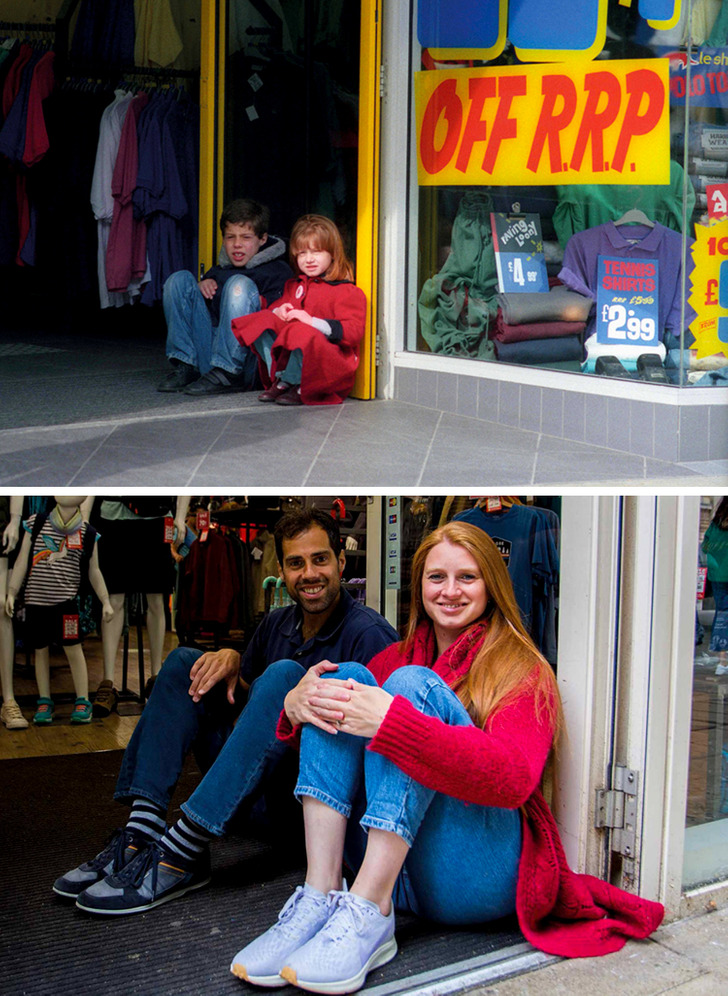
(460, 976)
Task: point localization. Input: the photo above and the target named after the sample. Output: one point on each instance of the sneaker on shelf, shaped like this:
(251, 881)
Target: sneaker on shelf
(122, 846)
(43, 712)
(12, 717)
(151, 878)
(82, 710)
(721, 669)
(106, 699)
(355, 939)
(261, 961)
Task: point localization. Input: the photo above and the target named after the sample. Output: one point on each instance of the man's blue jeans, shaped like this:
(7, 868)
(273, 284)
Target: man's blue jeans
(191, 336)
(462, 866)
(238, 758)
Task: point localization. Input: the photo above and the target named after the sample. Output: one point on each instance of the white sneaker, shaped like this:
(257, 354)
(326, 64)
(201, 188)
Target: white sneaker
(721, 669)
(11, 715)
(355, 939)
(303, 915)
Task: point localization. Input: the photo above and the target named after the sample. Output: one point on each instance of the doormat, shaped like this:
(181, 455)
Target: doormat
(58, 811)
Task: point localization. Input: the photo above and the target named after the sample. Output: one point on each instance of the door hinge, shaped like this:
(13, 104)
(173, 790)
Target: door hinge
(616, 809)
(382, 81)
(377, 350)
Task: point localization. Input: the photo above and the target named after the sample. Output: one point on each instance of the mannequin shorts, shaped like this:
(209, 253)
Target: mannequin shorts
(52, 624)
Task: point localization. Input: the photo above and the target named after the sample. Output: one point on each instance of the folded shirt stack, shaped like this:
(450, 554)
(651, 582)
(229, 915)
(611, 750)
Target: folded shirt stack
(541, 329)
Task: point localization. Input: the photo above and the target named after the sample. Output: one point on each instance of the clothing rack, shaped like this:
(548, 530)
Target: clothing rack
(28, 26)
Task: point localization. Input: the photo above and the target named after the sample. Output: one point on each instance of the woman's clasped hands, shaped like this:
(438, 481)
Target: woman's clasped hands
(337, 705)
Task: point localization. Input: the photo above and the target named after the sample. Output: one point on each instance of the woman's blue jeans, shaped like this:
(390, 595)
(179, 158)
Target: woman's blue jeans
(238, 759)
(462, 866)
(191, 336)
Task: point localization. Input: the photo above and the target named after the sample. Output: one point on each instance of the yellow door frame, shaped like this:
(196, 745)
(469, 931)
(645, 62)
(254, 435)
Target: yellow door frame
(212, 137)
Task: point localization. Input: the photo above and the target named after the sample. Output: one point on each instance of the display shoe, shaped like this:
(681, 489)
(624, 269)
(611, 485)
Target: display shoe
(303, 915)
(291, 397)
(649, 367)
(610, 366)
(12, 717)
(122, 846)
(44, 712)
(106, 699)
(216, 381)
(182, 375)
(82, 711)
(276, 389)
(151, 878)
(355, 939)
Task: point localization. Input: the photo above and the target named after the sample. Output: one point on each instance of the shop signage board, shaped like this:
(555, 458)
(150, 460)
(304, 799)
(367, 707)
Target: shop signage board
(539, 124)
(707, 83)
(393, 541)
(627, 296)
(519, 257)
(557, 31)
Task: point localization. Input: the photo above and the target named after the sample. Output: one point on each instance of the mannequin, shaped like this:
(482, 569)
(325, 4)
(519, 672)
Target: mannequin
(53, 562)
(10, 714)
(129, 529)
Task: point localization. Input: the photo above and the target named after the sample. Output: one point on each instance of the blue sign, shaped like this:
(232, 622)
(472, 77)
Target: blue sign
(627, 302)
(708, 83)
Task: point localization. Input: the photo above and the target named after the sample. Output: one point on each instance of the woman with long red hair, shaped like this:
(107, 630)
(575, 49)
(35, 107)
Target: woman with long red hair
(422, 772)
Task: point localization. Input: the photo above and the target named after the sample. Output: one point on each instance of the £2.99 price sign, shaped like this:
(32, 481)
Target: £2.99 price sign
(627, 301)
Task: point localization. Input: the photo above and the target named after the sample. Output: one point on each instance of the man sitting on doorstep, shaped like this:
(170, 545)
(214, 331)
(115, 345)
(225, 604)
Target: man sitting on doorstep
(199, 701)
(205, 355)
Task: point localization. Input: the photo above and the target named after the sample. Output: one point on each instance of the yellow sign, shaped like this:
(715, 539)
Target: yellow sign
(522, 125)
(709, 295)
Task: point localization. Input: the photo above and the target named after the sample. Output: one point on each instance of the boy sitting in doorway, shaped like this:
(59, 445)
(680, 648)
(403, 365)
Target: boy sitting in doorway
(205, 355)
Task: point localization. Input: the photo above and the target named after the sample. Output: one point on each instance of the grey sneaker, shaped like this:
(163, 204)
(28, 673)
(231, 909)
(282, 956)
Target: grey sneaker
(151, 878)
(355, 939)
(123, 845)
(260, 962)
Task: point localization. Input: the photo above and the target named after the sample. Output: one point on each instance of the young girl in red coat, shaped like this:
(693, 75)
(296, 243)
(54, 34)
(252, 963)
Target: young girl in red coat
(307, 342)
(423, 771)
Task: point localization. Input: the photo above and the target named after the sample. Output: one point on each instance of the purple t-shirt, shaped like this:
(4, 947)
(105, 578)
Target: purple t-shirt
(579, 270)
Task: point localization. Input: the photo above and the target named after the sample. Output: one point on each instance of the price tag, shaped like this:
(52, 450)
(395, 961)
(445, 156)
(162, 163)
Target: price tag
(627, 302)
(168, 529)
(70, 628)
(493, 504)
(702, 577)
(717, 194)
(74, 541)
(203, 520)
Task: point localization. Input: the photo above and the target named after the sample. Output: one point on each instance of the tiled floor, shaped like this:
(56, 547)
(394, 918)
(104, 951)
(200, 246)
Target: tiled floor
(109, 426)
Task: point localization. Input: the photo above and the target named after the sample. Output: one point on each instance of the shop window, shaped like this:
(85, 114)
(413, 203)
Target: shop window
(574, 219)
(707, 804)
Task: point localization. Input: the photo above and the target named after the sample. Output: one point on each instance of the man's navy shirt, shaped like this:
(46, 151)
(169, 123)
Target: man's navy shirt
(353, 632)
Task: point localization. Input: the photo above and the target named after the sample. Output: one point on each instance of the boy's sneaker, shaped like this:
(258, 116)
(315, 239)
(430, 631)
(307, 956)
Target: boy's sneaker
(355, 939)
(303, 915)
(123, 845)
(151, 878)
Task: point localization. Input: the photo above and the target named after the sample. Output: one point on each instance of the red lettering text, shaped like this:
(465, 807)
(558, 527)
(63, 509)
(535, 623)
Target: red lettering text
(476, 130)
(550, 122)
(444, 101)
(641, 83)
(593, 121)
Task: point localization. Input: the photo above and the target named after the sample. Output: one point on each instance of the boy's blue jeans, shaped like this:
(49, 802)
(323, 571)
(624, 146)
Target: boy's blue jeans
(191, 336)
(462, 866)
(238, 759)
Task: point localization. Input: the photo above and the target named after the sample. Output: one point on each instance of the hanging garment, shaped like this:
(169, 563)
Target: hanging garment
(456, 305)
(126, 250)
(157, 41)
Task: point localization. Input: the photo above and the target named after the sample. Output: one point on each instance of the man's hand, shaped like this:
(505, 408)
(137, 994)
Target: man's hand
(297, 703)
(208, 288)
(213, 667)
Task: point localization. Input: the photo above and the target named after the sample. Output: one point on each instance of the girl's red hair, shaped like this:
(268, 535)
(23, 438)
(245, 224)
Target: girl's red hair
(318, 232)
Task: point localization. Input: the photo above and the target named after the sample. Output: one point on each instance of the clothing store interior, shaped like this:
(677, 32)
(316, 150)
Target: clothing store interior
(93, 220)
(60, 755)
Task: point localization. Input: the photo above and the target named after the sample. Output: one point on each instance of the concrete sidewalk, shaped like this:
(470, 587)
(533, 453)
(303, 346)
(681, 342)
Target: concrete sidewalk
(685, 958)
